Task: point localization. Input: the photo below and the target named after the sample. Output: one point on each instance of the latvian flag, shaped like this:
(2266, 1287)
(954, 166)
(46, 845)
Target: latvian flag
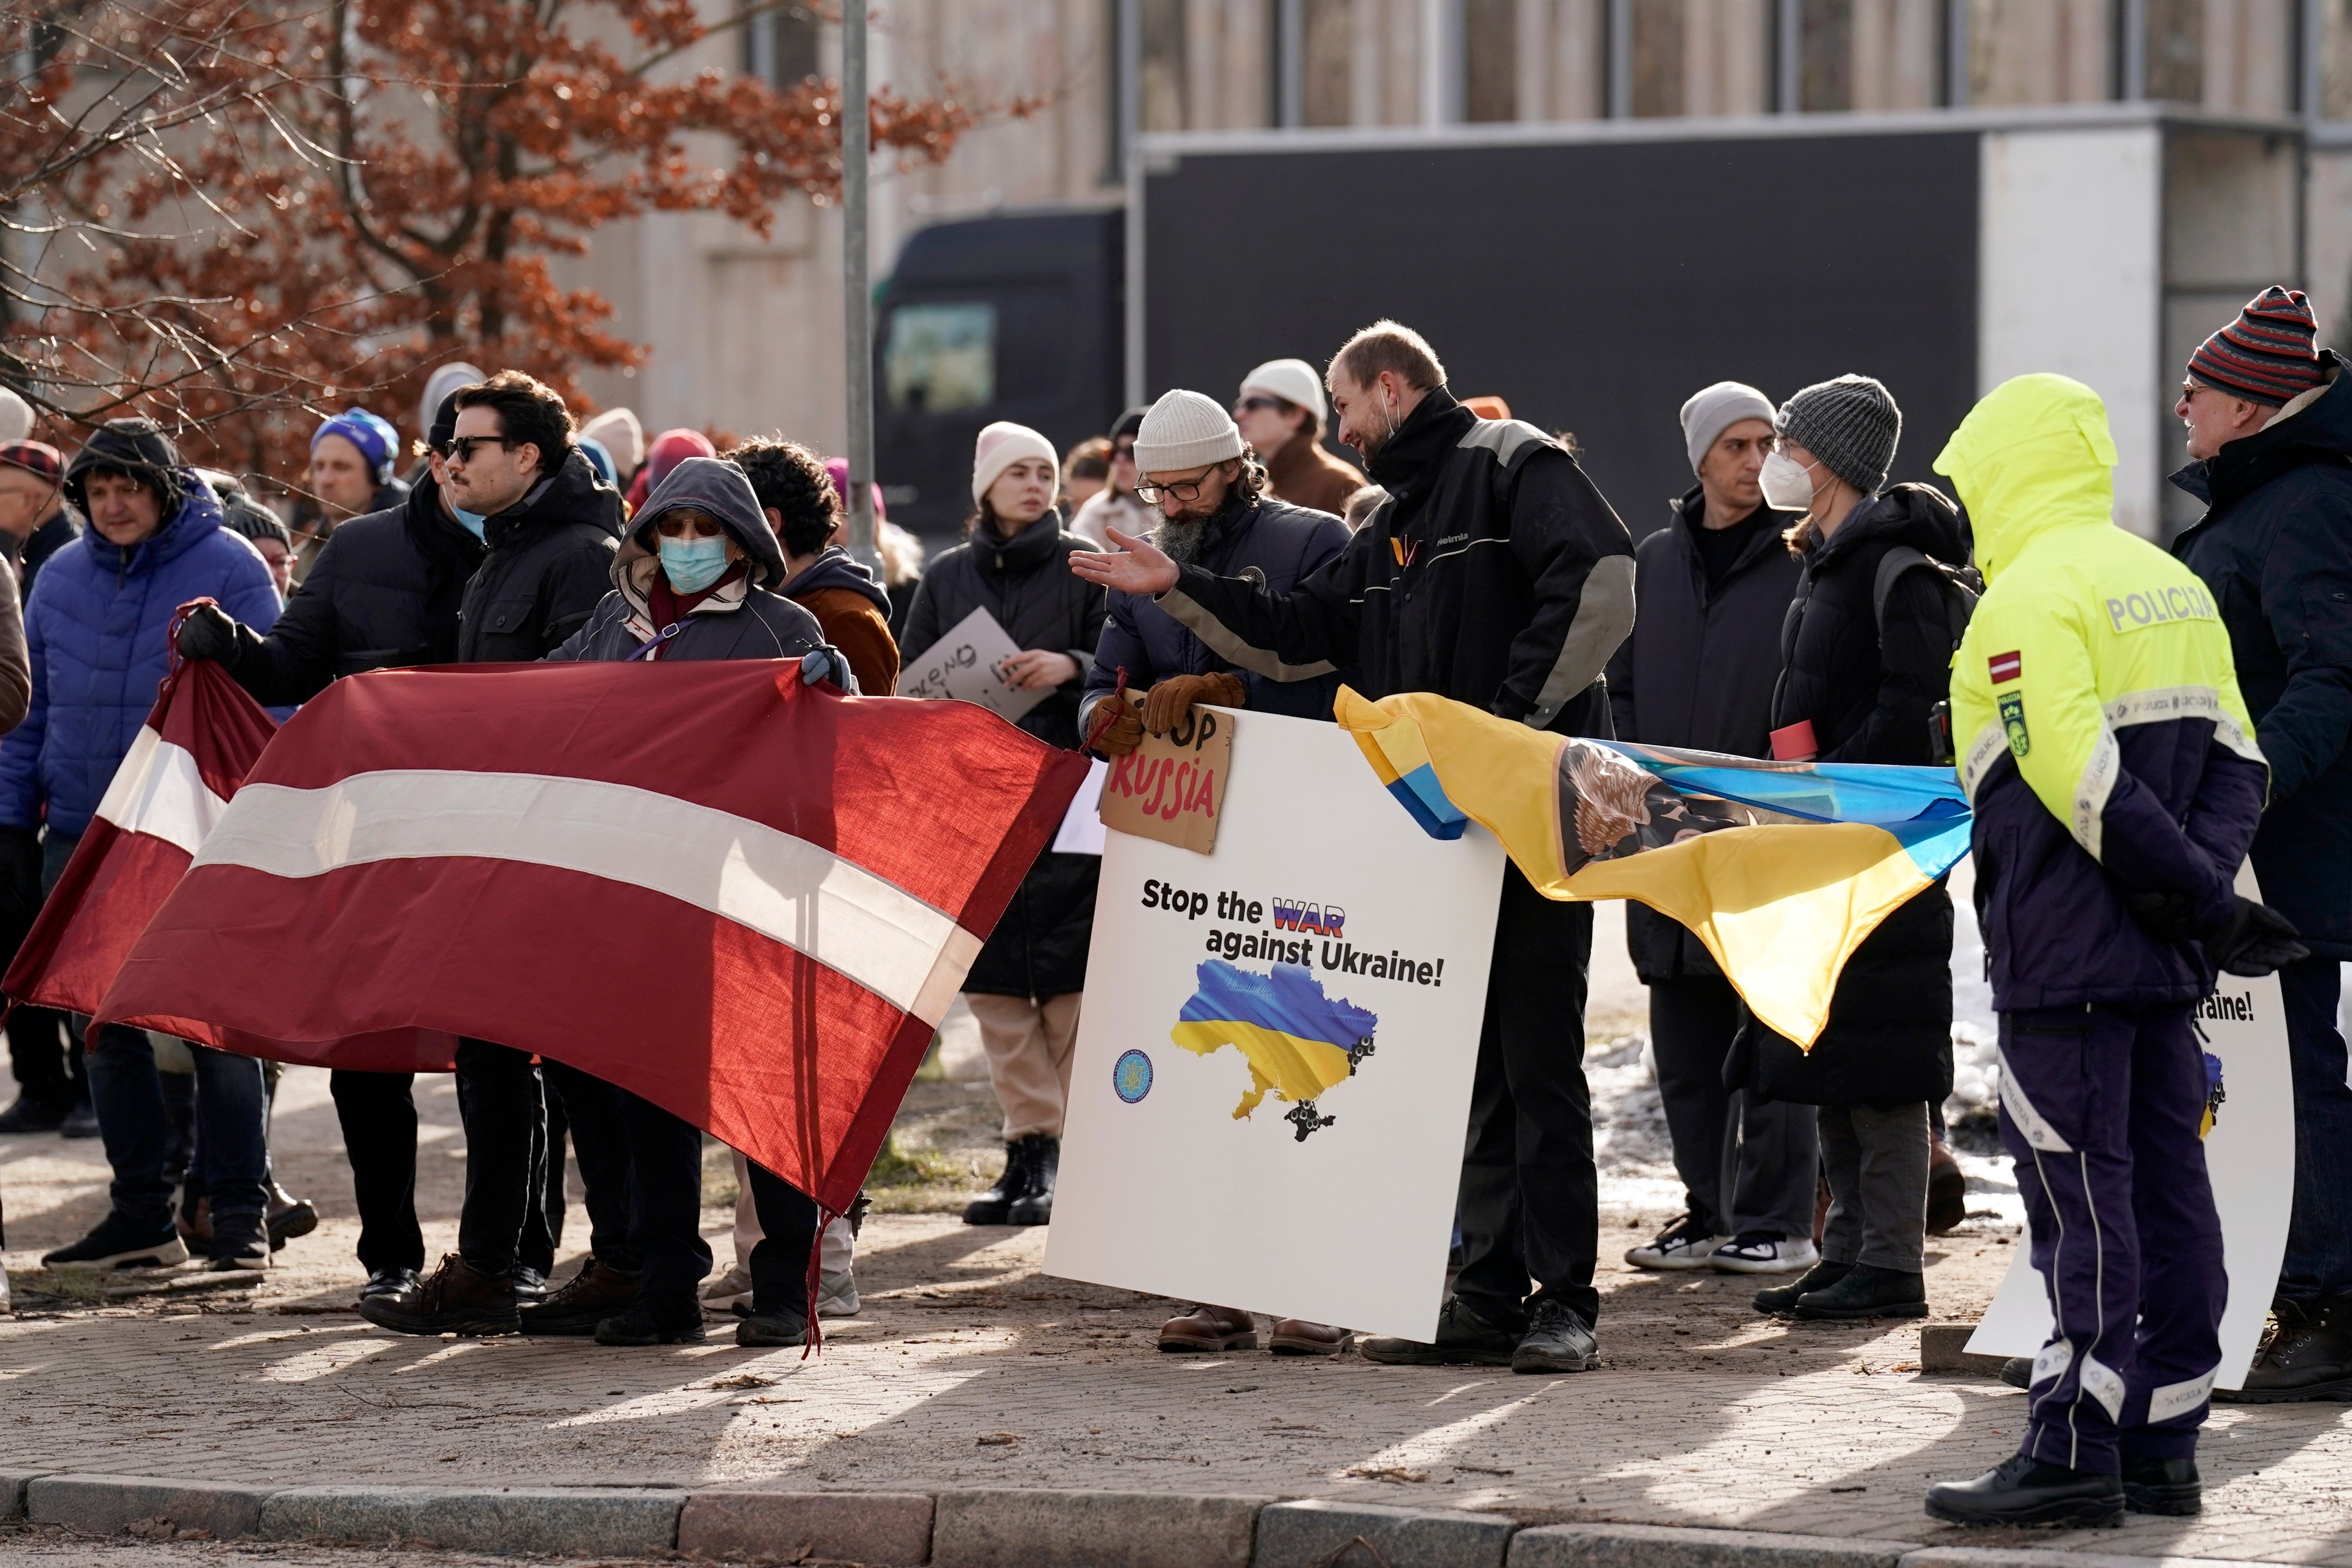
(173, 785)
(747, 900)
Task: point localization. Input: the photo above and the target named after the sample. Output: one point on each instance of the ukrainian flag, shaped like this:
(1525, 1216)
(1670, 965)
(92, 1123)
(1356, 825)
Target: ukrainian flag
(1295, 1037)
(1780, 869)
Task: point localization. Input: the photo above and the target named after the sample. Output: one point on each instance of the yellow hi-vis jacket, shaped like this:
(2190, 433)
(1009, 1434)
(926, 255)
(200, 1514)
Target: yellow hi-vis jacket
(2102, 740)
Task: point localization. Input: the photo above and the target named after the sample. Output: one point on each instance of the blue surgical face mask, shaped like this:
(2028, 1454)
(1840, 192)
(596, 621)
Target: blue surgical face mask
(470, 521)
(693, 565)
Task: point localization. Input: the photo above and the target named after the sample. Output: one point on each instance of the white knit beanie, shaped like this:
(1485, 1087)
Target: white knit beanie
(1003, 444)
(1713, 410)
(623, 436)
(1184, 431)
(1292, 380)
(16, 416)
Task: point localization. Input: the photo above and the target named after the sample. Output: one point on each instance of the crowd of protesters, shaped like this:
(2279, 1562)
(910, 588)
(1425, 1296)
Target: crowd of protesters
(1795, 604)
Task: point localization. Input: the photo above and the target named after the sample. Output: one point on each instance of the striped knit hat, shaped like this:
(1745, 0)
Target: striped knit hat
(2265, 355)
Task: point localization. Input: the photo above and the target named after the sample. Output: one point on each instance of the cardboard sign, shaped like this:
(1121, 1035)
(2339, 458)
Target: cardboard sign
(967, 664)
(1171, 787)
(2250, 1157)
(1272, 1068)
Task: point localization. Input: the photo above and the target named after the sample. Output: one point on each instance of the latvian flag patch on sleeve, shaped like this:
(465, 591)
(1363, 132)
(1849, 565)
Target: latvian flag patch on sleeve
(2006, 667)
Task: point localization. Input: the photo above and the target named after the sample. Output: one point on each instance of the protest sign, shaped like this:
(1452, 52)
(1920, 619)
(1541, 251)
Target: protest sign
(1169, 788)
(1272, 1075)
(967, 664)
(2249, 1155)
(1081, 833)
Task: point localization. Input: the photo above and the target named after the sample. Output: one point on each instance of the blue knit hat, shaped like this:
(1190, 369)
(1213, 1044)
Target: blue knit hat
(377, 440)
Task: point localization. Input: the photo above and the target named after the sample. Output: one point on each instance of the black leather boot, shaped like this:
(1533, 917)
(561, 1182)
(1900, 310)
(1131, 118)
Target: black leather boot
(1867, 1292)
(991, 1207)
(1036, 1206)
(2023, 1490)
(1783, 1298)
(2162, 1486)
(2308, 1356)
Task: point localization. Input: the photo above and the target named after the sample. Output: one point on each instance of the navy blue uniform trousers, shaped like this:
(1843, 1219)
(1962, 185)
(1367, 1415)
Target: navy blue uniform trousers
(2101, 1108)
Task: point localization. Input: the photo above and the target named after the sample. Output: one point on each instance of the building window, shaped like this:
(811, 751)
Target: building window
(779, 48)
(2175, 50)
(1490, 59)
(1326, 67)
(1658, 50)
(1825, 54)
(2041, 51)
(941, 358)
(1163, 65)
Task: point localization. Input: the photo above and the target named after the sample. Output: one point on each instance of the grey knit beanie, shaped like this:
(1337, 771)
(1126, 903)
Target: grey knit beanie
(1850, 424)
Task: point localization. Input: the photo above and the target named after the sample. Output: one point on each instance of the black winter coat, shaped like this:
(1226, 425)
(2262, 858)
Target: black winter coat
(550, 563)
(1039, 948)
(382, 594)
(2276, 547)
(1267, 541)
(1889, 1037)
(1698, 674)
(1495, 574)
(40, 545)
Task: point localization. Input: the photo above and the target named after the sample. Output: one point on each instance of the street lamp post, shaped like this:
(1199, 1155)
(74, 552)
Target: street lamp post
(857, 303)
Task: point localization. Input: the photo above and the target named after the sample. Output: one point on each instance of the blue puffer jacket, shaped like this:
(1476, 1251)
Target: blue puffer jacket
(97, 627)
(1276, 545)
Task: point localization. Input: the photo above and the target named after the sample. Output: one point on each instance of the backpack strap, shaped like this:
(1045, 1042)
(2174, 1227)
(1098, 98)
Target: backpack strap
(1957, 587)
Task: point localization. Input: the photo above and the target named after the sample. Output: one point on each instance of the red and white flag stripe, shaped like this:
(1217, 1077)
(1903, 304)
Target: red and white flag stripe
(747, 900)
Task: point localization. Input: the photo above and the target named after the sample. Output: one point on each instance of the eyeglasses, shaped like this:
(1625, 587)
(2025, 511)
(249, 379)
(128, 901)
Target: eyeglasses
(461, 450)
(1251, 404)
(1183, 490)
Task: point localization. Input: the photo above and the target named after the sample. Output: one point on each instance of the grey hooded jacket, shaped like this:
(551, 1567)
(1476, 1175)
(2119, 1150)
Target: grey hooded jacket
(744, 618)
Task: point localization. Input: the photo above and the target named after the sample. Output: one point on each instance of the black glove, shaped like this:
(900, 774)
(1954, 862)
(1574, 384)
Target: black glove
(2165, 916)
(207, 634)
(2254, 940)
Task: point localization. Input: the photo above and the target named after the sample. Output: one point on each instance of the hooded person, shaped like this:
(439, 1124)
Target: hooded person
(670, 449)
(697, 579)
(2269, 420)
(803, 505)
(444, 381)
(1025, 988)
(98, 633)
(1860, 671)
(2110, 761)
(1714, 587)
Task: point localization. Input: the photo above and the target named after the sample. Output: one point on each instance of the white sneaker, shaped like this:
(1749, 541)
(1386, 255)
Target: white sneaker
(836, 1295)
(1760, 1253)
(1681, 1245)
(6, 1307)
(722, 1294)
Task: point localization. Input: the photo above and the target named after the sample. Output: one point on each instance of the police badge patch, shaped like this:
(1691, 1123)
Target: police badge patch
(2013, 719)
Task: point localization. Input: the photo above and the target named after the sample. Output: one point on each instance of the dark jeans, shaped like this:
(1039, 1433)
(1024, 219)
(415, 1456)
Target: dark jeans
(665, 1167)
(787, 1236)
(1530, 1199)
(2318, 1262)
(48, 1070)
(1746, 1166)
(135, 1124)
(377, 1111)
(591, 1110)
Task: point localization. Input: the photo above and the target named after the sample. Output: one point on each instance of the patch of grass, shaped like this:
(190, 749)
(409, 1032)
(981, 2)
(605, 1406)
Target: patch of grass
(897, 1166)
(61, 1287)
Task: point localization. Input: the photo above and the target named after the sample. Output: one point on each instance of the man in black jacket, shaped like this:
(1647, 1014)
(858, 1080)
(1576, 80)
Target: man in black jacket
(1496, 575)
(1714, 586)
(2270, 429)
(550, 527)
(34, 524)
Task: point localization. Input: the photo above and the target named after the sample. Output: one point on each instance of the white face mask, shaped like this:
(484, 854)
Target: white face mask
(1788, 484)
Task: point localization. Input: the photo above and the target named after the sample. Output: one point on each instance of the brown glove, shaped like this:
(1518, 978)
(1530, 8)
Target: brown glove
(1173, 699)
(1120, 723)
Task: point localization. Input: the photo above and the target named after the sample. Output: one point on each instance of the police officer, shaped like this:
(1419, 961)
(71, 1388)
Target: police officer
(2107, 754)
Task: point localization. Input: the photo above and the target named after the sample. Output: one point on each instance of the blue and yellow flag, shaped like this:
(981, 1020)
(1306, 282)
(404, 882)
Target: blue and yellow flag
(1779, 868)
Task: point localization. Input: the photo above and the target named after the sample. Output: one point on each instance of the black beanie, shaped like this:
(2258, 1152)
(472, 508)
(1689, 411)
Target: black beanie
(137, 447)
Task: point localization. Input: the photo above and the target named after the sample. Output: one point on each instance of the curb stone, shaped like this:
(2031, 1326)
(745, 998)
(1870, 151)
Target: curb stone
(1673, 1546)
(1315, 1534)
(1011, 1529)
(103, 1504)
(2040, 1557)
(883, 1529)
(12, 1491)
(611, 1521)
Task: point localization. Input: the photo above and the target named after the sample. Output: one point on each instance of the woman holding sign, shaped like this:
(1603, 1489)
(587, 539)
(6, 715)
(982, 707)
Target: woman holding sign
(1025, 986)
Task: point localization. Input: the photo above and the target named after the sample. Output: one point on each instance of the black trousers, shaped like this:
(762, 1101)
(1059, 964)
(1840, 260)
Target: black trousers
(377, 1111)
(592, 1111)
(787, 1235)
(664, 1156)
(498, 1100)
(1530, 1199)
(46, 1060)
(1747, 1165)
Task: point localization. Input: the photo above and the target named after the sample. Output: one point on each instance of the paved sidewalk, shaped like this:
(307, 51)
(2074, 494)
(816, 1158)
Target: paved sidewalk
(969, 1369)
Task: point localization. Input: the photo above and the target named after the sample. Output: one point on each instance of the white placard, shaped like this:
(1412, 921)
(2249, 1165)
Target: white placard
(2249, 1155)
(1163, 1188)
(966, 663)
(1081, 833)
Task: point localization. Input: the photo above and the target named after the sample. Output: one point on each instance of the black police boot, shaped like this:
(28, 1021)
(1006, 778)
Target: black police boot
(1783, 1298)
(1036, 1206)
(2023, 1490)
(991, 1207)
(1557, 1340)
(2162, 1486)
(1867, 1292)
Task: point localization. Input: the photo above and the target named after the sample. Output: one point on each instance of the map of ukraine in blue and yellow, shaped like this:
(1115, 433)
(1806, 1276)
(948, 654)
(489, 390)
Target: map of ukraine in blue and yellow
(1297, 1042)
(1779, 868)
